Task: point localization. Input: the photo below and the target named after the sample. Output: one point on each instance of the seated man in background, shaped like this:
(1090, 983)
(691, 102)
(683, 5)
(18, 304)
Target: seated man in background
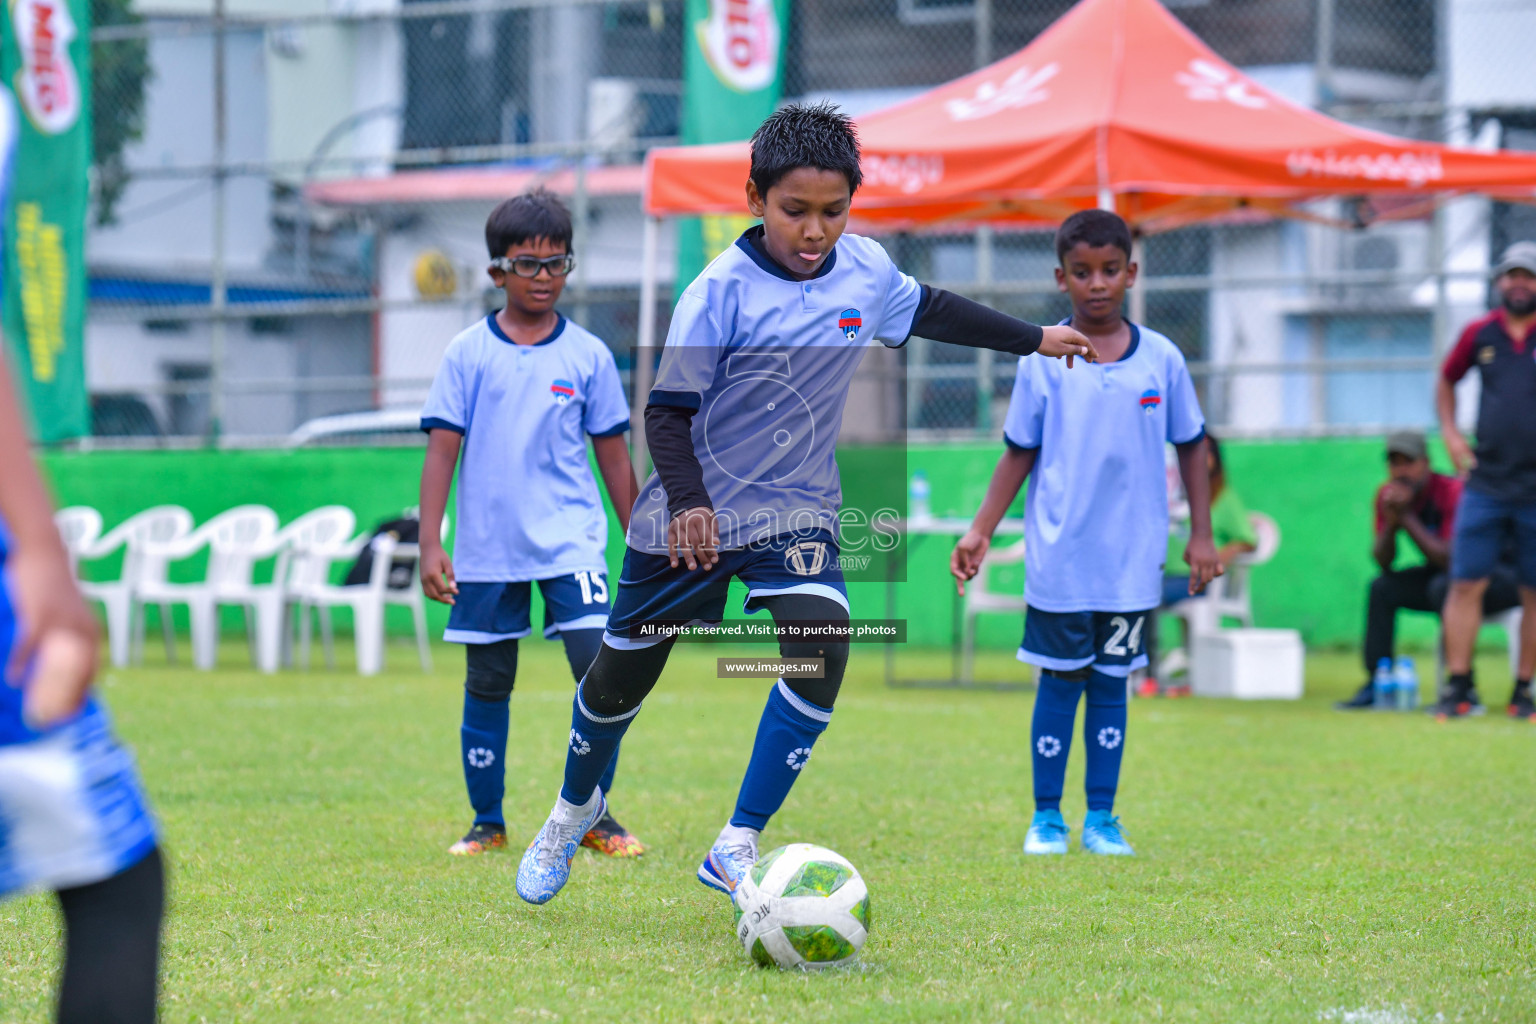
(1421, 503)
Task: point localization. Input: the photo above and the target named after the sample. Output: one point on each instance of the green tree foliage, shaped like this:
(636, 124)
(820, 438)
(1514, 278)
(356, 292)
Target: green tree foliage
(119, 72)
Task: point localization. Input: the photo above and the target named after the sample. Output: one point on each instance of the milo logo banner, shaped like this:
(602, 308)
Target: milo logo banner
(45, 65)
(733, 69)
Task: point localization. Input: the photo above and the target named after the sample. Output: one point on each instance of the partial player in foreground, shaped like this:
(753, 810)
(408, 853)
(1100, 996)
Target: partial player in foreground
(73, 817)
(517, 396)
(742, 427)
(1096, 521)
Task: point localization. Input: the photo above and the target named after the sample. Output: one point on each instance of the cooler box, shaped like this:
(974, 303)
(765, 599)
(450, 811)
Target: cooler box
(1249, 664)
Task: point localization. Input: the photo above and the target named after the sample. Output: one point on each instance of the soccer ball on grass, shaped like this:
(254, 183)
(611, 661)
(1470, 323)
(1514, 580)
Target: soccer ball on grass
(802, 906)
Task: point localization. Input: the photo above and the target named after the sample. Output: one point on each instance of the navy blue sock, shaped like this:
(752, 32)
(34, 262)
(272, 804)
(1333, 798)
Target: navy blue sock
(483, 745)
(581, 647)
(593, 749)
(1104, 738)
(1050, 737)
(785, 736)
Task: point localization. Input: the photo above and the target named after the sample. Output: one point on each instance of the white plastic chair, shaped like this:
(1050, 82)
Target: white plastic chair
(1229, 595)
(236, 540)
(297, 565)
(980, 600)
(139, 536)
(79, 527)
(367, 602)
(1509, 621)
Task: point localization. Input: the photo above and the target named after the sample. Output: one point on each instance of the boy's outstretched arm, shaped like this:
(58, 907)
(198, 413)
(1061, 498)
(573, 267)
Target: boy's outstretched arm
(1200, 553)
(945, 316)
(436, 477)
(53, 621)
(618, 475)
(692, 533)
(1012, 470)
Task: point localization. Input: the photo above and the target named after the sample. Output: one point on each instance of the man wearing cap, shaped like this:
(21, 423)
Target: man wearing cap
(1420, 503)
(1498, 508)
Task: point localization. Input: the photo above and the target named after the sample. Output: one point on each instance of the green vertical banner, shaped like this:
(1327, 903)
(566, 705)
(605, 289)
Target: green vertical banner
(733, 73)
(45, 60)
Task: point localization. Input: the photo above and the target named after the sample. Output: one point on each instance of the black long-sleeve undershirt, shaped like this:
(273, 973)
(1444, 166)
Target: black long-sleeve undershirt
(941, 316)
(669, 435)
(945, 316)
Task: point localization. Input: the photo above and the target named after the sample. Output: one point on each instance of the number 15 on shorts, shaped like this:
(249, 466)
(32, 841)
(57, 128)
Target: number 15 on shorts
(594, 587)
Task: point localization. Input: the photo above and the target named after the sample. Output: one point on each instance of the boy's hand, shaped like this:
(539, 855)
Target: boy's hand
(965, 560)
(1204, 564)
(695, 536)
(58, 629)
(437, 580)
(1062, 340)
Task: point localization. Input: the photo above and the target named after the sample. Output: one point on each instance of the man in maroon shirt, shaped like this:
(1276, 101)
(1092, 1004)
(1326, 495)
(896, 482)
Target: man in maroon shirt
(1498, 507)
(1420, 503)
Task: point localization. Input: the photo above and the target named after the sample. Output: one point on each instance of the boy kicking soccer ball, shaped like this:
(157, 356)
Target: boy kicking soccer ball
(742, 427)
(518, 394)
(1096, 521)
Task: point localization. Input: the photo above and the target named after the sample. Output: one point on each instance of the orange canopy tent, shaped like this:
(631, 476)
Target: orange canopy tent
(1117, 103)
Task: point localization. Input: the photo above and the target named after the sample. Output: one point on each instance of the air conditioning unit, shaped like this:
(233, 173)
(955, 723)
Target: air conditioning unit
(1398, 251)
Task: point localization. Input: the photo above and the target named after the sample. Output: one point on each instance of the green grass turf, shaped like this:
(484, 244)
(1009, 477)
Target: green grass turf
(1295, 864)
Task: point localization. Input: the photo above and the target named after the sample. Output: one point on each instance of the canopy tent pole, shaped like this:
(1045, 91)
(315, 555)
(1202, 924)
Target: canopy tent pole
(1138, 295)
(645, 345)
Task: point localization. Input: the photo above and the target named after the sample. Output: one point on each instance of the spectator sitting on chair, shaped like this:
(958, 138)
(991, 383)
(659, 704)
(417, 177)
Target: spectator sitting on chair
(1421, 503)
(1234, 535)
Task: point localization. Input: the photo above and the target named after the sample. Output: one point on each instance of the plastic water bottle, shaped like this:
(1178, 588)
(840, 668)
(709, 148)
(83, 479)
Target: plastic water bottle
(917, 497)
(1406, 685)
(1382, 684)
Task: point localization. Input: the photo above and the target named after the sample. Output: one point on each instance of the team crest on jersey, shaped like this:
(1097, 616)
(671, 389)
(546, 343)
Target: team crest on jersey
(806, 558)
(849, 321)
(1150, 400)
(563, 390)
(1485, 354)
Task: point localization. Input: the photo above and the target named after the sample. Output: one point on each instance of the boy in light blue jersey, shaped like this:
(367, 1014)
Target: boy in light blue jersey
(515, 400)
(742, 426)
(1096, 521)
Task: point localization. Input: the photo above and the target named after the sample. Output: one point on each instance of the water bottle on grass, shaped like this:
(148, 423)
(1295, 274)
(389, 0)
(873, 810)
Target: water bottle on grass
(1382, 685)
(1406, 685)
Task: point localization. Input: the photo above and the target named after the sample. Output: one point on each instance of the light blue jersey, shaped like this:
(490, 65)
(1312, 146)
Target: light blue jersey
(528, 506)
(1096, 515)
(766, 360)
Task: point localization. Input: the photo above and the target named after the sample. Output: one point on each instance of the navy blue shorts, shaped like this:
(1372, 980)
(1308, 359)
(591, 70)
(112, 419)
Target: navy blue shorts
(484, 613)
(651, 591)
(1485, 527)
(1112, 642)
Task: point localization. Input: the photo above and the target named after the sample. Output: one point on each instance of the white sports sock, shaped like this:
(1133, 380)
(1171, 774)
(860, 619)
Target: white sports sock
(739, 835)
(575, 812)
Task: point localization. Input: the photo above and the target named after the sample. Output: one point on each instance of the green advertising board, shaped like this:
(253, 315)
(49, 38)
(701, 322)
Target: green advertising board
(45, 61)
(733, 72)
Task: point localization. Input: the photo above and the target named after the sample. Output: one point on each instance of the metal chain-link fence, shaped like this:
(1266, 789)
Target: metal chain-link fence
(289, 200)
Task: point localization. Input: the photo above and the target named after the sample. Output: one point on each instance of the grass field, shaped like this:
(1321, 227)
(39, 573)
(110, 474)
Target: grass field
(1295, 864)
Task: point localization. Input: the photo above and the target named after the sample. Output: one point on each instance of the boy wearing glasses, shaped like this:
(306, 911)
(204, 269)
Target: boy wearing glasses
(517, 395)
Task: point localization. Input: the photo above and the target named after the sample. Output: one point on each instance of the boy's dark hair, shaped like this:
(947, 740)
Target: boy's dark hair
(1092, 228)
(805, 135)
(525, 218)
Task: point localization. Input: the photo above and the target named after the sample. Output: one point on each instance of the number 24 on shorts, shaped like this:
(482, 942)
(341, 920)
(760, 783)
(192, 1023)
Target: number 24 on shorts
(1120, 626)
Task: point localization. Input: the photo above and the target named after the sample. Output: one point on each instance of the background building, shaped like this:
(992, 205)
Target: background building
(360, 139)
